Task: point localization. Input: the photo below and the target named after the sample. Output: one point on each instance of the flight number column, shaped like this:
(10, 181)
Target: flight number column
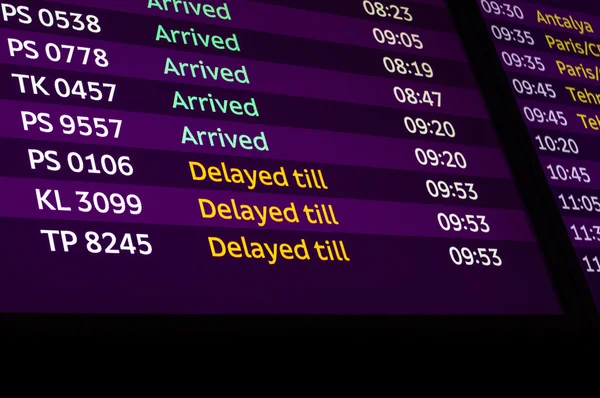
(81, 162)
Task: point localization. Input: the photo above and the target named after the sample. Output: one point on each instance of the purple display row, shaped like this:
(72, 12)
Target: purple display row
(541, 16)
(557, 66)
(149, 131)
(168, 206)
(293, 22)
(583, 174)
(214, 71)
(546, 115)
(584, 232)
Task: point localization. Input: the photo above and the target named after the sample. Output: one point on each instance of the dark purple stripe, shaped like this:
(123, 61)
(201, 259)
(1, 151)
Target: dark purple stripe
(168, 206)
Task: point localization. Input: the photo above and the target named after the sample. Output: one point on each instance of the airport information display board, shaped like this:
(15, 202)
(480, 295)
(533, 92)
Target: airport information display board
(298, 157)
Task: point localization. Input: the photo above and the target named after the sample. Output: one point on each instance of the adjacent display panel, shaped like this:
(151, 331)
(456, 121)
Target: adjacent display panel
(550, 56)
(253, 157)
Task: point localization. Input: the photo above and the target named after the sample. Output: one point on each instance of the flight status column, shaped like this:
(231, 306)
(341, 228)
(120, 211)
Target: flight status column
(253, 157)
(552, 58)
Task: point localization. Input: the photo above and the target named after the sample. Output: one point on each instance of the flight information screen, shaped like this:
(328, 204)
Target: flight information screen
(551, 55)
(298, 156)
